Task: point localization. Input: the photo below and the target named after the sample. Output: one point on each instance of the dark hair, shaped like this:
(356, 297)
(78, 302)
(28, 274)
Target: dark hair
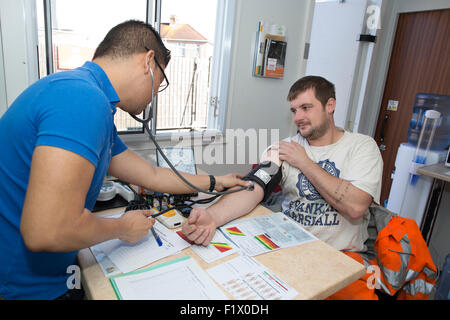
(323, 88)
(131, 37)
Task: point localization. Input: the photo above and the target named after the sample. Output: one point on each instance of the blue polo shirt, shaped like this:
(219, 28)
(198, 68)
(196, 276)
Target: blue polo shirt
(73, 110)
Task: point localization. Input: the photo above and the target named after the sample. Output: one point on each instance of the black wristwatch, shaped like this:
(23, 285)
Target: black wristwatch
(212, 183)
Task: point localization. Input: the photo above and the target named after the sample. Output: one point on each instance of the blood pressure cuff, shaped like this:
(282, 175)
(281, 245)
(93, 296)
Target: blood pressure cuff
(267, 174)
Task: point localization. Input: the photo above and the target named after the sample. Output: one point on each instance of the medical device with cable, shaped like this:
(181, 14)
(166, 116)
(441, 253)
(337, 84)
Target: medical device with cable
(268, 175)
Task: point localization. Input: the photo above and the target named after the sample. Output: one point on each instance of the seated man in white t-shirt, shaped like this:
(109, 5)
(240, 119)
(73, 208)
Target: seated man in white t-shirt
(329, 177)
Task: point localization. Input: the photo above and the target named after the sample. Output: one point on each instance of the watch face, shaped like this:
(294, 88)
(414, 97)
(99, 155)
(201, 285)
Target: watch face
(181, 158)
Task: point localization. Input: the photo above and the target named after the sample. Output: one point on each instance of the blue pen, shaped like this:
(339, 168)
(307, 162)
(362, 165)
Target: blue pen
(158, 239)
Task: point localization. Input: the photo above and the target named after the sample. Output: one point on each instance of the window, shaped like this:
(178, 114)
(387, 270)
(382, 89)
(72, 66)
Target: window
(77, 27)
(74, 28)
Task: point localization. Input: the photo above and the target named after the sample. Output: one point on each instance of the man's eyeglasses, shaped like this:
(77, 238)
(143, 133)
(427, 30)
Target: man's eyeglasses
(163, 86)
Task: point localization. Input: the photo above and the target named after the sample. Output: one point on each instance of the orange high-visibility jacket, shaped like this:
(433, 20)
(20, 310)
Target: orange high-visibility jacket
(402, 255)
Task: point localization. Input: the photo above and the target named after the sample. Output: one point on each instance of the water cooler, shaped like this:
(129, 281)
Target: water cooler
(408, 196)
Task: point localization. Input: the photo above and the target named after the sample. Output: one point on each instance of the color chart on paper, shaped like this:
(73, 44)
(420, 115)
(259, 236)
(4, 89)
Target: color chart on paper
(261, 234)
(269, 244)
(222, 247)
(218, 248)
(234, 231)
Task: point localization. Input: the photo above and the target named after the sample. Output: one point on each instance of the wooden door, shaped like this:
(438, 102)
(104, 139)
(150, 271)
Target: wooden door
(420, 62)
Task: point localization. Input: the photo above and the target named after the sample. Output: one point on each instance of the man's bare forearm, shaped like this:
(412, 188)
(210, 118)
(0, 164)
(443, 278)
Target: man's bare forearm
(157, 179)
(235, 205)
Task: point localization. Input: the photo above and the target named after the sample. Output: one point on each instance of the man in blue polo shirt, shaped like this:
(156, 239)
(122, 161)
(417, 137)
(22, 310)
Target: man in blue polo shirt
(58, 141)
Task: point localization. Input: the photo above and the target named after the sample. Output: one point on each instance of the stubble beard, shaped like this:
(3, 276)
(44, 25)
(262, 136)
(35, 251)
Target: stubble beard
(315, 132)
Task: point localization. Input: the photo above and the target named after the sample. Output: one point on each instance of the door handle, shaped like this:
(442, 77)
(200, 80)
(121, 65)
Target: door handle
(386, 117)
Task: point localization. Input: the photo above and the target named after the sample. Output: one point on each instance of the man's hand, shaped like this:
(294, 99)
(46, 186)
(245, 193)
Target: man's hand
(293, 153)
(135, 225)
(230, 180)
(199, 227)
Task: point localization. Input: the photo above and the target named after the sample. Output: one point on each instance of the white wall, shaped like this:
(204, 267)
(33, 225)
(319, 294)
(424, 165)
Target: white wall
(259, 102)
(361, 75)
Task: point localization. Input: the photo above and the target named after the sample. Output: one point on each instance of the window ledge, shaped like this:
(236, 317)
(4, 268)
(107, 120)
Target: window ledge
(183, 139)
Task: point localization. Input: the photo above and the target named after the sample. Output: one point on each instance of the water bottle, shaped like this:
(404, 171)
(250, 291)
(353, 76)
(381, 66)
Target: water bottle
(424, 102)
(431, 122)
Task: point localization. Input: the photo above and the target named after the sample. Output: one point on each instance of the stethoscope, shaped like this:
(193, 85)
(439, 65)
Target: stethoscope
(145, 122)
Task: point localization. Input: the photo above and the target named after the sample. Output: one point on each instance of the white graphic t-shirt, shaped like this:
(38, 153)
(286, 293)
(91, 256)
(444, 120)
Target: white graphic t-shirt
(355, 158)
